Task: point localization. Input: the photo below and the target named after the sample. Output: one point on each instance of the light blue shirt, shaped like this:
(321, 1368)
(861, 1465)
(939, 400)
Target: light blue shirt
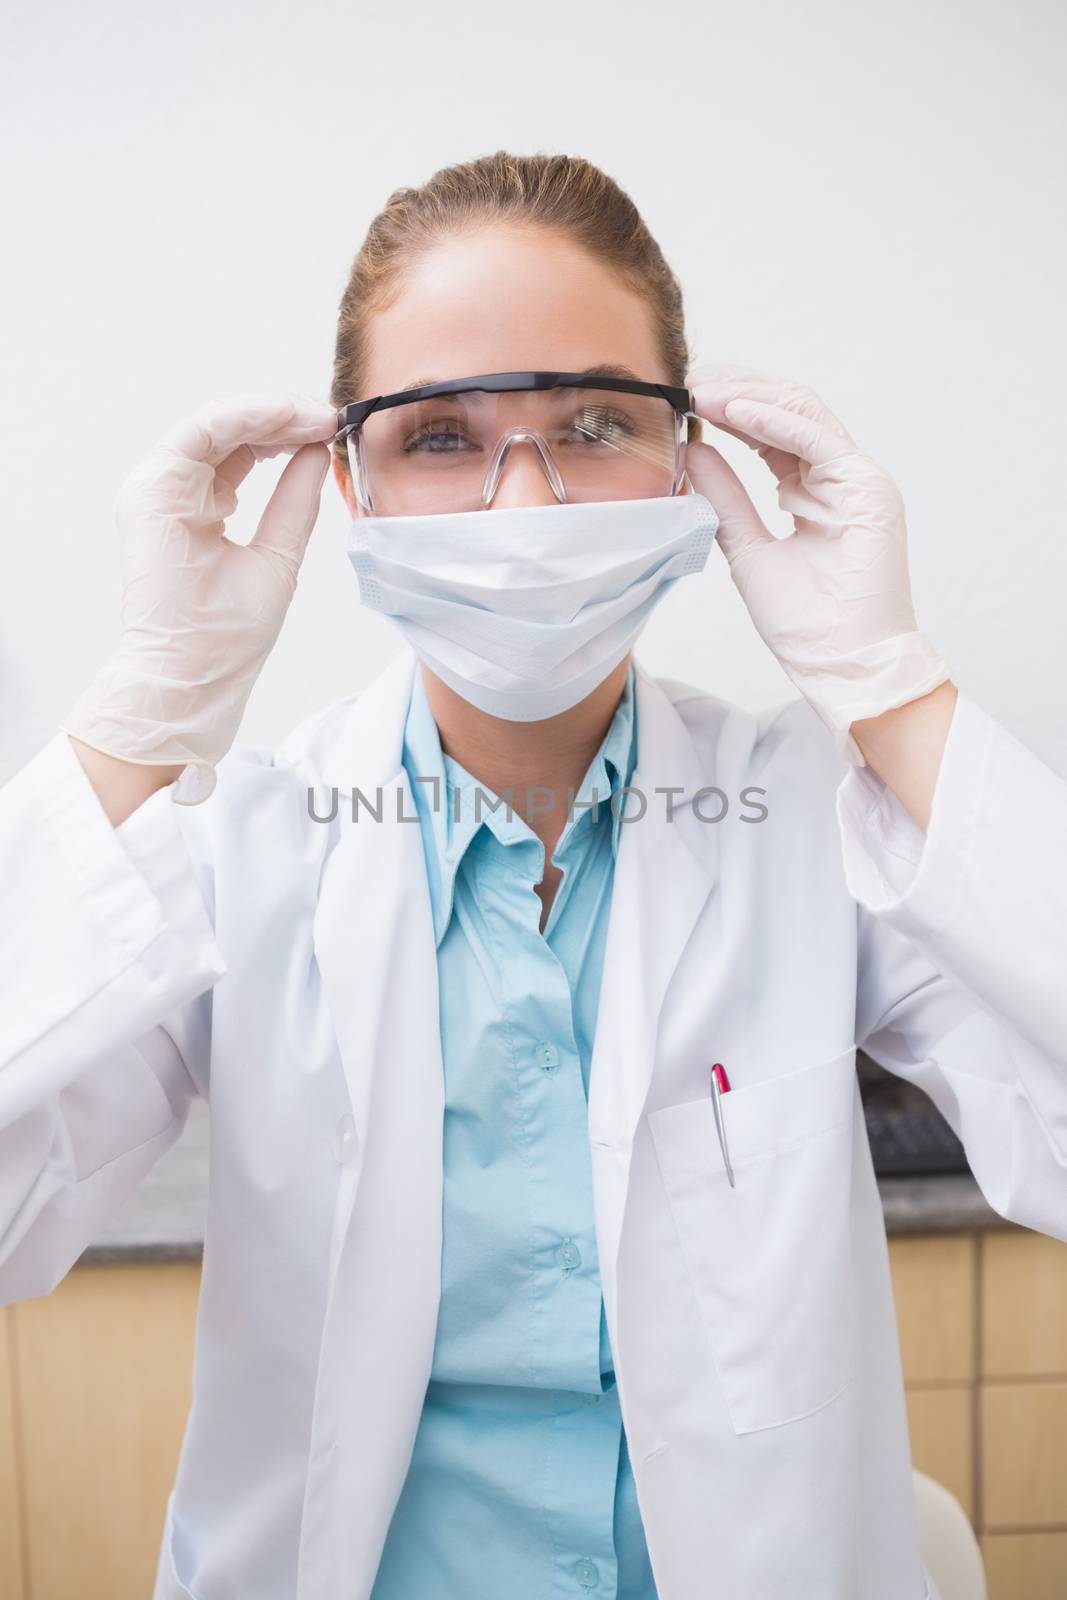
(520, 1483)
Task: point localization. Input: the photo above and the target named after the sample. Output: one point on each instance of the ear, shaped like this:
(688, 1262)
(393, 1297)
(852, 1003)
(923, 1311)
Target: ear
(343, 479)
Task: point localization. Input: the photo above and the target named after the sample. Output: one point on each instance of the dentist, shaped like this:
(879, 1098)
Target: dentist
(496, 1297)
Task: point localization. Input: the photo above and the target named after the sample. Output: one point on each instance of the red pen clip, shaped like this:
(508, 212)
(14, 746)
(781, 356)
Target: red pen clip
(720, 1085)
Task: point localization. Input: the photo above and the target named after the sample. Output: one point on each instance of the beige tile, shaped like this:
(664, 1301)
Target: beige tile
(940, 1425)
(933, 1286)
(1024, 1305)
(1024, 1455)
(1025, 1566)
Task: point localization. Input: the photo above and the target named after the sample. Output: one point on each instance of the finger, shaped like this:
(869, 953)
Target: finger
(229, 475)
(720, 372)
(266, 423)
(781, 462)
(787, 430)
(710, 398)
(290, 513)
(725, 427)
(746, 439)
(714, 387)
(740, 524)
(236, 466)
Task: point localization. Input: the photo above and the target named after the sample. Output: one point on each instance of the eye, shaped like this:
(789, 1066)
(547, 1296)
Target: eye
(442, 435)
(601, 424)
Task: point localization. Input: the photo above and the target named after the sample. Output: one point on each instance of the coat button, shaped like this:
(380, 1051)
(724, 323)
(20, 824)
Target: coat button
(587, 1573)
(345, 1141)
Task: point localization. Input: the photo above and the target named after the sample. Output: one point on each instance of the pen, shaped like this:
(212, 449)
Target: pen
(720, 1085)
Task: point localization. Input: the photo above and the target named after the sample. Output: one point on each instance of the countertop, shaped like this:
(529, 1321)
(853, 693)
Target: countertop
(164, 1219)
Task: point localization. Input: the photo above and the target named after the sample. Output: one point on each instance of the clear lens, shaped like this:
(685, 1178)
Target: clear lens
(445, 453)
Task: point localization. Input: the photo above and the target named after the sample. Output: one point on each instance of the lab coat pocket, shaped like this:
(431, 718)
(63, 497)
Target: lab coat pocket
(769, 1257)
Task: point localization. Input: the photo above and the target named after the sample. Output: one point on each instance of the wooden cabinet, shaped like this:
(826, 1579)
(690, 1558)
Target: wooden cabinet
(95, 1381)
(100, 1374)
(983, 1331)
(12, 1576)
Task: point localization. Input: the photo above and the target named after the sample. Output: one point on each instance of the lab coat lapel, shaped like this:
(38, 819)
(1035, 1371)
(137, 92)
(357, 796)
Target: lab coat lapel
(663, 876)
(373, 911)
(374, 945)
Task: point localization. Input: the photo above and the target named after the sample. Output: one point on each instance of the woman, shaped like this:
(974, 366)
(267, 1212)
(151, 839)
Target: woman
(544, 1252)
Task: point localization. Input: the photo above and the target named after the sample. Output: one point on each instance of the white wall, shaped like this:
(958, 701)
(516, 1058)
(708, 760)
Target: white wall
(868, 199)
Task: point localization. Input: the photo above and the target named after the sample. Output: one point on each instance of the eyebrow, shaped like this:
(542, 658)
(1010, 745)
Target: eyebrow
(605, 370)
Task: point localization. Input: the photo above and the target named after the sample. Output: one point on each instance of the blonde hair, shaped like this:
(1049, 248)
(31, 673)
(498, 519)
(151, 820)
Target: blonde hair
(565, 193)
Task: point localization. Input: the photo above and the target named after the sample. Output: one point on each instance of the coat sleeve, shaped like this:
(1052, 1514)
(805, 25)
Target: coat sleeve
(963, 955)
(108, 956)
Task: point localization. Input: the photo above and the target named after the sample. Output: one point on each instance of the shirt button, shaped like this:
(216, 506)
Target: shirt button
(547, 1055)
(586, 1573)
(568, 1255)
(344, 1141)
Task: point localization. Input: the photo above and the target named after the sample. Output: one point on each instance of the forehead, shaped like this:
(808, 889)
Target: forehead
(504, 299)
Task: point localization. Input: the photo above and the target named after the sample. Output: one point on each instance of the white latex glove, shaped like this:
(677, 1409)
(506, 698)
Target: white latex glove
(833, 599)
(200, 613)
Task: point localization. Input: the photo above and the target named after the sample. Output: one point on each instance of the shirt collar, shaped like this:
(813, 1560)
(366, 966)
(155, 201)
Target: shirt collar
(436, 779)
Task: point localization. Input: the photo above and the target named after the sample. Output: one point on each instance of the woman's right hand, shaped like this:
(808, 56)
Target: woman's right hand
(200, 613)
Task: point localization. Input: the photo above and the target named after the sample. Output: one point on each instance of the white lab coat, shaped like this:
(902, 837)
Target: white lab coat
(285, 969)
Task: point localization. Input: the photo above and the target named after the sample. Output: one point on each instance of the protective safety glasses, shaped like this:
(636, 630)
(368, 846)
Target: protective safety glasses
(443, 446)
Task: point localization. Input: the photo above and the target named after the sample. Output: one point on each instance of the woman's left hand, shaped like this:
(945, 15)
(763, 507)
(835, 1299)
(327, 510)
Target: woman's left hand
(833, 600)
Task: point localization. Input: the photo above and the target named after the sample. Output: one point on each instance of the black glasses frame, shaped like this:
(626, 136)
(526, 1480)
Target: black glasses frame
(351, 417)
